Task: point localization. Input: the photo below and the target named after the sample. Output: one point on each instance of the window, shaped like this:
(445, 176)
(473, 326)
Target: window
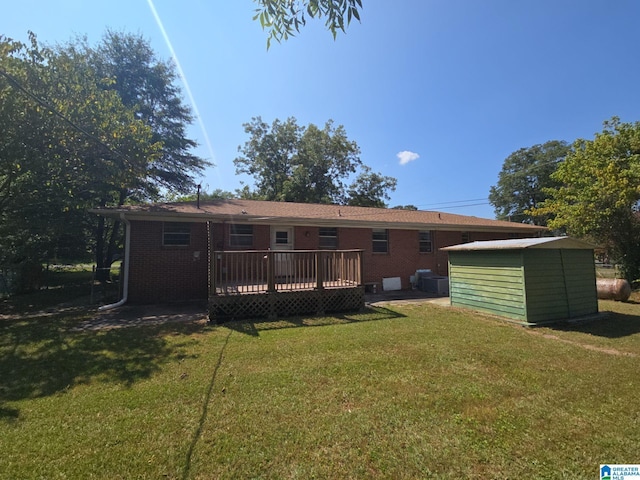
(282, 237)
(380, 240)
(425, 241)
(176, 234)
(466, 237)
(328, 238)
(241, 236)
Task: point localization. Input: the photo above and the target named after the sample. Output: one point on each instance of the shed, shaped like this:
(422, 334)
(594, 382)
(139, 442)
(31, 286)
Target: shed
(530, 280)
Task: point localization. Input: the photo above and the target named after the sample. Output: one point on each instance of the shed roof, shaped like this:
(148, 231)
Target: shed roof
(522, 243)
(290, 213)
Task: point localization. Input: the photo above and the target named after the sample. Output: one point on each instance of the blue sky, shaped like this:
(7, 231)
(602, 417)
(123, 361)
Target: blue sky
(457, 84)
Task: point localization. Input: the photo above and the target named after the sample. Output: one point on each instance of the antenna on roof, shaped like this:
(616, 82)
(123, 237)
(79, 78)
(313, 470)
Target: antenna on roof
(198, 197)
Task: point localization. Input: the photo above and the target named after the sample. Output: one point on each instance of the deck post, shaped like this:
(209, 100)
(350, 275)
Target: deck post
(271, 272)
(213, 271)
(319, 271)
(320, 256)
(361, 265)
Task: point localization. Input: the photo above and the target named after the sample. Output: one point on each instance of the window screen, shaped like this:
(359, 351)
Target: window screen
(328, 238)
(176, 234)
(426, 246)
(241, 236)
(380, 240)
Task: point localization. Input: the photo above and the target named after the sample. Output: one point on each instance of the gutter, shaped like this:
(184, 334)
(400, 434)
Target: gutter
(127, 254)
(331, 222)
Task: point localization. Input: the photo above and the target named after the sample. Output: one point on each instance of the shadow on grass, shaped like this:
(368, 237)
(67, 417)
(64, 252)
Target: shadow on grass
(611, 325)
(40, 356)
(368, 314)
(69, 288)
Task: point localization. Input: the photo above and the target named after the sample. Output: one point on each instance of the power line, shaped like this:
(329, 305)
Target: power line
(453, 201)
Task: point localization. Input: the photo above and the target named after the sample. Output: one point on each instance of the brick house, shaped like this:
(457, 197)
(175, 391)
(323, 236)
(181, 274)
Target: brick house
(170, 245)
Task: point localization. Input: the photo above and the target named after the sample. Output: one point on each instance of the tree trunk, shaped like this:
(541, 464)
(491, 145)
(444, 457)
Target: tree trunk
(111, 247)
(102, 275)
(106, 249)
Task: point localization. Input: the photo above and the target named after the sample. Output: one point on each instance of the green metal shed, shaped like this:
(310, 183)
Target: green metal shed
(530, 280)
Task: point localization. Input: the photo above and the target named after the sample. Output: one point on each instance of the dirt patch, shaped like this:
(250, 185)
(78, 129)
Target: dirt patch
(140, 315)
(586, 346)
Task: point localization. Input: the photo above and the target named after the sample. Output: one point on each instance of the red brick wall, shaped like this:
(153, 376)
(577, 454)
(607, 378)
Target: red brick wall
(404, 257)
(159, 274)
(221, 233)
(306, 238)
(164, 274)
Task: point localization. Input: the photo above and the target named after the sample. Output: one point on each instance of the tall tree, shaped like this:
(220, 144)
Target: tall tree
(127, 66)
(306, 164)
(598, 193)
(77, 140)
(525, 175)
(85, 127)
(324, 159)
(268, 155)
(371, 189)
(283, 18)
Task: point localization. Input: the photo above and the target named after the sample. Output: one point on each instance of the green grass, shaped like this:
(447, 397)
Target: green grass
(414, 391)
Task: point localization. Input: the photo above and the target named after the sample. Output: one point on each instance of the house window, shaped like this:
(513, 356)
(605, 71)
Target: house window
(466, 237)
(282, 237)
(426, 246)
(380, 240)
(241, 236)
(328, 238)
(176, 234)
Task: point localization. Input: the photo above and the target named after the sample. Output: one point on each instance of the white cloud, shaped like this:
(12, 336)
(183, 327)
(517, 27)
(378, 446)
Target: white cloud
(406, 156)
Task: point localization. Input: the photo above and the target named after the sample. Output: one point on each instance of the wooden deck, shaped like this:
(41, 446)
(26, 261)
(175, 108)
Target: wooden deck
(230, 288)
(259, 283)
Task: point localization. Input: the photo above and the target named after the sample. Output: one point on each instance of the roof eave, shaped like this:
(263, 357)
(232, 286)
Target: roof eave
(205, 216)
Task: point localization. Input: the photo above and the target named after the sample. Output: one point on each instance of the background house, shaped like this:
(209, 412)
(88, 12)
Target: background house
(171, 243)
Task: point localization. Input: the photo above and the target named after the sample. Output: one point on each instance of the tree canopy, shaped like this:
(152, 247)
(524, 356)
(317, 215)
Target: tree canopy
(370, 189)
(76, 136)
(308, 165)
(284, 18)
(598, 193)
(525, 175)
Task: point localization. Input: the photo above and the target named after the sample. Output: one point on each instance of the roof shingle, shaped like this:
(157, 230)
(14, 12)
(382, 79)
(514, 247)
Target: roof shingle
(256, 211)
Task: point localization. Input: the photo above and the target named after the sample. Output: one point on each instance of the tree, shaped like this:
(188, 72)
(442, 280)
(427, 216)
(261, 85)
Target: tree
(66, 137)
(269, 154)
(523, 179)
(85, 128)
(405, 207)
(217, 194)
(306, 164)
(147, 87)
(598, 193)
(370, 189)
(283, 18)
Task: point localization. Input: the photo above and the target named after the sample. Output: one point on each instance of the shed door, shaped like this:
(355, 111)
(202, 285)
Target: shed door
(282, 239)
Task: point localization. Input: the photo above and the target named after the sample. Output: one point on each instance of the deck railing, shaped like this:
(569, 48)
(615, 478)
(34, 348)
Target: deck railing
(262, 271)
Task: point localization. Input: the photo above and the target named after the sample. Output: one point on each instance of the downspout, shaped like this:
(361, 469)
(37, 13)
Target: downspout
(127, 252)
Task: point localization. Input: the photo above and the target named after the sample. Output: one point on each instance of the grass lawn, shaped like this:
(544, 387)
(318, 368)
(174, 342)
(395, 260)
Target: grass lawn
(415, 391)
